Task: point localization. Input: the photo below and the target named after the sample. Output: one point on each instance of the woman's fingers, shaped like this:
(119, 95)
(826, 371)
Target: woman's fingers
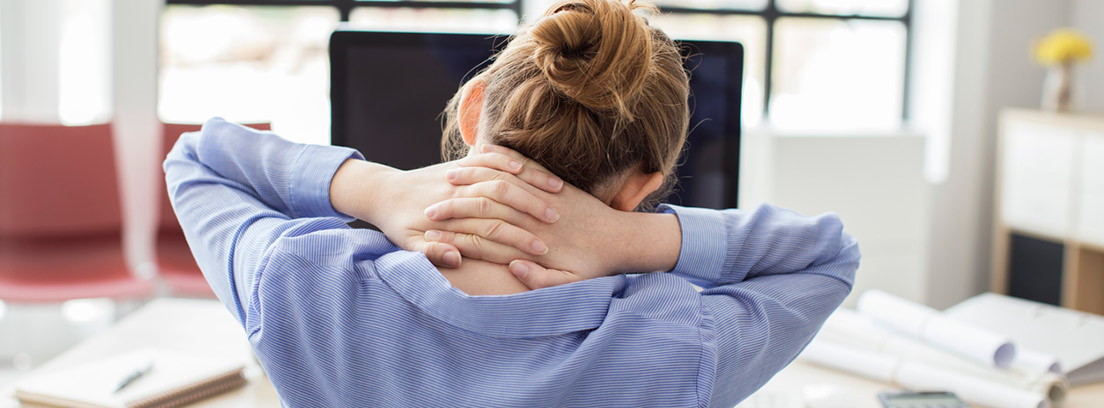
(491, 148)
(476, 247)
(500, 192)
(493, 230)
(466, 175)
(535, 276)
(497, 161)
(504, 159)
(441, 254)
(483, 207)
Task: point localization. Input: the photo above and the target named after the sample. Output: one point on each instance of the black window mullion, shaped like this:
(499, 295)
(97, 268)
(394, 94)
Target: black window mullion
(770, 14)
(909, 38)
(345, 7)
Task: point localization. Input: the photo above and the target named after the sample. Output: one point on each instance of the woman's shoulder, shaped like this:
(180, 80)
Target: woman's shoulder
(660, 296)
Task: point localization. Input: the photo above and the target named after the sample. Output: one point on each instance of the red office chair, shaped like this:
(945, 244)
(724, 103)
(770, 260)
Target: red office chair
(60, 218)
(175, 263)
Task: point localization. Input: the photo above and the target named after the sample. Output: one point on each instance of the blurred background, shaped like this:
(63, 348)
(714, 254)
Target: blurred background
(887, 112)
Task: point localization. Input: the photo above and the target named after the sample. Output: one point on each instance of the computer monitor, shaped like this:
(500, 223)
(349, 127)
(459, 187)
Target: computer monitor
(388, 89)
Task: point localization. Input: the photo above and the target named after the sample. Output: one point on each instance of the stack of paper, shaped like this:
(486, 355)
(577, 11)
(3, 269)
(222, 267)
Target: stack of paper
(1075, 338)
(893, 340)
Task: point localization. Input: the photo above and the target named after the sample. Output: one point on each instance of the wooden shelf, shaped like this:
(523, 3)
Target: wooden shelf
(1050, 187)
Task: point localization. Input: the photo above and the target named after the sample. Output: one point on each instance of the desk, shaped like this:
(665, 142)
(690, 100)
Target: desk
(205, 327)
(194, 326)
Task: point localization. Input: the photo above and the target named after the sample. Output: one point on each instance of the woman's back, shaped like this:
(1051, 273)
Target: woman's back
(397, 334)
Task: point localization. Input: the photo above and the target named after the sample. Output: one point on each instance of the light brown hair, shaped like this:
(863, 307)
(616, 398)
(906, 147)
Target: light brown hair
(589, 91)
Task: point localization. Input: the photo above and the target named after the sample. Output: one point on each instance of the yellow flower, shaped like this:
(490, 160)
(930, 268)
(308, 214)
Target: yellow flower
(1062, 45)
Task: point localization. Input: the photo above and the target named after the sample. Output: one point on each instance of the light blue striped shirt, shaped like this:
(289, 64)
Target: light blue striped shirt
(341, 317)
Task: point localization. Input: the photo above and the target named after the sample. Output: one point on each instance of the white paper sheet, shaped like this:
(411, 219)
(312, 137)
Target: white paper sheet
(930, 326)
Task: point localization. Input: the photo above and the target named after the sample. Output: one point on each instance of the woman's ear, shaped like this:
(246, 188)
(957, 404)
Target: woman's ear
(637, 186)
(471, 106)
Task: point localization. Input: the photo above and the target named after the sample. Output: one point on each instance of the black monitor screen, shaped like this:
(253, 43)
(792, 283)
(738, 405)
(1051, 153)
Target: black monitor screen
(388, 90)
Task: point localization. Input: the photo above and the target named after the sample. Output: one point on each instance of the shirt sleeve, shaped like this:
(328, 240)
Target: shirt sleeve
(771, 277)
(236, 190)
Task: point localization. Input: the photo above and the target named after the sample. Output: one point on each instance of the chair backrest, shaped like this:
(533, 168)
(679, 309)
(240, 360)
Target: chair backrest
(171, 133)
(57, 181)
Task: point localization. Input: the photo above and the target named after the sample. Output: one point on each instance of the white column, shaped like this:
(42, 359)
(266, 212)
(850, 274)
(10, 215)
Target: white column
(31, 38)
(137, 127)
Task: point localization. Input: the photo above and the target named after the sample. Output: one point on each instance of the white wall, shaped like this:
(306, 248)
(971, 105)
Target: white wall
(1087, 16)
(993, 71)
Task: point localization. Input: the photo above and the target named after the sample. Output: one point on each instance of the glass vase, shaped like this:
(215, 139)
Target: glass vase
(1058, 88)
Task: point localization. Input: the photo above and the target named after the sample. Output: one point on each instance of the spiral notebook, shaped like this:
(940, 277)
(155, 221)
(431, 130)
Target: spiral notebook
(173, 379)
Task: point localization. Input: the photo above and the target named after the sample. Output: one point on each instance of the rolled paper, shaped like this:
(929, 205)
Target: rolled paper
(849, 328)
(1032, 360)
(919, 376)
(930, 326)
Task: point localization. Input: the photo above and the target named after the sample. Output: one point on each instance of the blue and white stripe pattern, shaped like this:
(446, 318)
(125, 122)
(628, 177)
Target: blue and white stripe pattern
(340, 317)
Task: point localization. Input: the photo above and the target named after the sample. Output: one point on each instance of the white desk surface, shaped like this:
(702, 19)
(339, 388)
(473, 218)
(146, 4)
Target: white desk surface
(205, 327)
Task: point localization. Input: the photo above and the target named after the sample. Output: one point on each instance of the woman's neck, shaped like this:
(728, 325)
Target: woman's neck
(476, 277)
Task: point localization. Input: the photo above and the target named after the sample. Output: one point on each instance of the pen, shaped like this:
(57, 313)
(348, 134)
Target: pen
(134, 375)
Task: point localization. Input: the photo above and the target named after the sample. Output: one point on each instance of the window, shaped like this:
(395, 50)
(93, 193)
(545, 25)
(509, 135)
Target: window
(824, 65)
(810, 65)
(84, 69)
(266, 60)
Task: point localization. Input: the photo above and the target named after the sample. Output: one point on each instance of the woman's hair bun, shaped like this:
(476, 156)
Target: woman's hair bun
(596, 52)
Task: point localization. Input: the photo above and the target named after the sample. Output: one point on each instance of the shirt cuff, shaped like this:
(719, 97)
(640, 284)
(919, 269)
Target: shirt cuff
(313, 171)
(704, 240)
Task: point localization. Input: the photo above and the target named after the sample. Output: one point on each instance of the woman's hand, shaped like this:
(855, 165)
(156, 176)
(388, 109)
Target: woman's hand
(589, 240)
(395, 201)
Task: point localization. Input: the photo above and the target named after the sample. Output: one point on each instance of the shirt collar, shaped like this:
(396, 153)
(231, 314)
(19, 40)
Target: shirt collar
(543, 312)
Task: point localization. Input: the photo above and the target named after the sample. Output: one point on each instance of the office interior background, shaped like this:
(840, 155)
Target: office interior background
(886, 112)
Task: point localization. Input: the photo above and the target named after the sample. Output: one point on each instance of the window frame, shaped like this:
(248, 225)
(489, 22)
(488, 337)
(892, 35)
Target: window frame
(771, 13)
(345, 7)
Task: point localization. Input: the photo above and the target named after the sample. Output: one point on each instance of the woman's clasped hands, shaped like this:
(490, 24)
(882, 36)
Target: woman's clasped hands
(581, 240)
(497, 206)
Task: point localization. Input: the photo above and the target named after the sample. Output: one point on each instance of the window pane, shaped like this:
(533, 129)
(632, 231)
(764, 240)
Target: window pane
(837, 74)
(491, 21)
(248, 64)
(748, 30)
(84, 62)
(714, 4)
(891, 8)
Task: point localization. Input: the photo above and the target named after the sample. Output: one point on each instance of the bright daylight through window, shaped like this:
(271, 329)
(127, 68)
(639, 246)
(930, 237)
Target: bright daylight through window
(811, 65)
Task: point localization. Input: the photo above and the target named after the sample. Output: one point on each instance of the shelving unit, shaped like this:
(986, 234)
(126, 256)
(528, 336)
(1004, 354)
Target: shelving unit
(1048, 227)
